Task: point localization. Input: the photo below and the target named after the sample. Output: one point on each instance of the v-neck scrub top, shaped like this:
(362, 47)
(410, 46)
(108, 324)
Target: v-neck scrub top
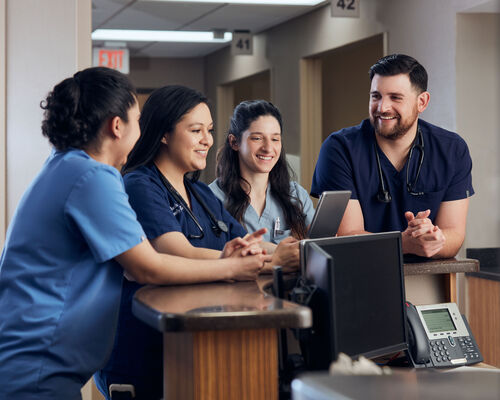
(59, 285)
(137, 354)
(347, 161)
(272, 210)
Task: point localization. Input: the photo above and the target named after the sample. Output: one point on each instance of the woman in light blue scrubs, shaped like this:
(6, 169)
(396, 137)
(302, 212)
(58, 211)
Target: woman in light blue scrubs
(253, 179)
(179, 214)
(71, 237)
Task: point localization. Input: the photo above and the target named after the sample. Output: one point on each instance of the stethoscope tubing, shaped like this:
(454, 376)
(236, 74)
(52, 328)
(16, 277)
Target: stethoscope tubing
(218, 226)
(383, 194)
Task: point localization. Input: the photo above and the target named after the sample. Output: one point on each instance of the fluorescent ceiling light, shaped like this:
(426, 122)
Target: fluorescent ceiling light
(260, 2)
(129, 35)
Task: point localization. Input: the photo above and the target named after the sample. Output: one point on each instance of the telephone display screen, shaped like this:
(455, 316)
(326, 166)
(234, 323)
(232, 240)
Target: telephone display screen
(438, 320)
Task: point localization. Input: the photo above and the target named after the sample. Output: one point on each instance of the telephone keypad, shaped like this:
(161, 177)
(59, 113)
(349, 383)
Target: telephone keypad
(443, 351)
(468, 348)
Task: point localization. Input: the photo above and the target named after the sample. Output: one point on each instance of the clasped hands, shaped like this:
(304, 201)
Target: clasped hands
(286, 253)
(252, 256)
(421, 237)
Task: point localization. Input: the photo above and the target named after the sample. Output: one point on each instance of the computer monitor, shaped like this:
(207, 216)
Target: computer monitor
(358, 305)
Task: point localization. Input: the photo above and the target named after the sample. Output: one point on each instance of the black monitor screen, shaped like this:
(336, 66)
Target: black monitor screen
(366, 293)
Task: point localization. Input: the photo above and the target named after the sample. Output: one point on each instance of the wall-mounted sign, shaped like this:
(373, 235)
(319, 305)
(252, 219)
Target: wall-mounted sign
(112, 58)
(345, 8)
(242, 43)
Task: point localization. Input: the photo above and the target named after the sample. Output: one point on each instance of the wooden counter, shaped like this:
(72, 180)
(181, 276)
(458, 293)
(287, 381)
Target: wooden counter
(483, 303)
(220, 339)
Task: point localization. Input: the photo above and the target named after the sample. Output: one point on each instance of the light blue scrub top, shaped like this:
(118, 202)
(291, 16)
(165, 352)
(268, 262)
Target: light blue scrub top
(59, 286)
(272, 211)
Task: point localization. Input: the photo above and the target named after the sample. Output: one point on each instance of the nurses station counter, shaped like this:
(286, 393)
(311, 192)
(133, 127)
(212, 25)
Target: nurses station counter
(221, 339)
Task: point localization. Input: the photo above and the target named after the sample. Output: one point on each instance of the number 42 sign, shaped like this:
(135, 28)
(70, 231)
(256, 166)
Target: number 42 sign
(345, 8)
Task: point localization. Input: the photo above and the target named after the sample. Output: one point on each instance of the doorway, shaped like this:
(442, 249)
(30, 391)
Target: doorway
(334, 91)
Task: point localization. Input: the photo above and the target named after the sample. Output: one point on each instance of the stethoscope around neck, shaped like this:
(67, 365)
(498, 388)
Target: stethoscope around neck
(383, 194)
(217, 225)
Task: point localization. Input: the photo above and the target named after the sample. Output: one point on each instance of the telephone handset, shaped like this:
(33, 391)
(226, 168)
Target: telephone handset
(440, 337)
(418, 345)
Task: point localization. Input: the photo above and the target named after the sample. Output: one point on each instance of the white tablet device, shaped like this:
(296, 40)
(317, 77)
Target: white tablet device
(329, 213)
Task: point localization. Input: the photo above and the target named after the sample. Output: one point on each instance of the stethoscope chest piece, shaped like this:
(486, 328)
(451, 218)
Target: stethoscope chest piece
(222, 227)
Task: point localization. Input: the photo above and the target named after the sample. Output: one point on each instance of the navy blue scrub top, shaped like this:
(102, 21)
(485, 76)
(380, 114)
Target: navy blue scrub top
(347, 161)
(159, 213)
(137, 354)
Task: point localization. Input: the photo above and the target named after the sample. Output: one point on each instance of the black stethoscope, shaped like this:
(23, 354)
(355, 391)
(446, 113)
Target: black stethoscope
(217, 225)
(383, 194)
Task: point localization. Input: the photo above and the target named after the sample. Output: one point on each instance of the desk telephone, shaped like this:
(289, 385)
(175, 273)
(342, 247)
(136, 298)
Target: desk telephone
(439, 336)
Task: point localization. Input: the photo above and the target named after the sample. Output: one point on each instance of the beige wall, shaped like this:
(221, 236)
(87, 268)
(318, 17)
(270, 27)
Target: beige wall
(152, 73)
(478, 120)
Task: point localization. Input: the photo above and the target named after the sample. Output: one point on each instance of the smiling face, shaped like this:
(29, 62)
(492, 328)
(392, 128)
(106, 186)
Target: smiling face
(395, 105)
(260, 146)
(187, 146)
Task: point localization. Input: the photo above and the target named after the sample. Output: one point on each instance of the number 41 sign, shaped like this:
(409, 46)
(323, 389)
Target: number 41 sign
(345, 8)
(242, 43)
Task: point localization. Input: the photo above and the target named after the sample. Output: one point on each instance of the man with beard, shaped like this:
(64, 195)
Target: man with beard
(405, 174)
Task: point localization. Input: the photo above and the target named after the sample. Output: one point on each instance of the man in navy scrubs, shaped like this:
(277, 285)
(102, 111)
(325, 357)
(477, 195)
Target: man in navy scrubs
(404, 173)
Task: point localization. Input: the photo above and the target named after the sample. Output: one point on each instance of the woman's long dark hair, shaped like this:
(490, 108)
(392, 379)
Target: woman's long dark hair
(229, 176)
(164, 108)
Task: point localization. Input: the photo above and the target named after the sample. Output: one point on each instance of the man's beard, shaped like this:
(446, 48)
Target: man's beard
(400, 128)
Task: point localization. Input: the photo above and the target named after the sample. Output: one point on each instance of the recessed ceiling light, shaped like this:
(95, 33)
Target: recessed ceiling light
(129, 35)
(260, 2)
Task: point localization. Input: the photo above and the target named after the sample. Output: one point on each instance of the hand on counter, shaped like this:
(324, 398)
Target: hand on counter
(286, 254)
(244, 246)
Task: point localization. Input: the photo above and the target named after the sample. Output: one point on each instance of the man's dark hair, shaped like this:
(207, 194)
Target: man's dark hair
(396, 64)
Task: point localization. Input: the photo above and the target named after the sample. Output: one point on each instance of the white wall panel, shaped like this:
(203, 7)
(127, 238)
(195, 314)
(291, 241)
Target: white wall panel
(43, 40)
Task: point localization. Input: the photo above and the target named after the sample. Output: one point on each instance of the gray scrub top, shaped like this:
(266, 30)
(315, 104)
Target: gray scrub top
(272, 211)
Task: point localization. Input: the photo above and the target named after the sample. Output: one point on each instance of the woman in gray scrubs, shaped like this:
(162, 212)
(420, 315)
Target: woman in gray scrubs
(253, 180)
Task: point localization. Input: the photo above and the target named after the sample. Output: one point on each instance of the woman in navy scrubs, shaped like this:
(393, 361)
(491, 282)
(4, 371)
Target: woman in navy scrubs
(179, 214)
(60, 283)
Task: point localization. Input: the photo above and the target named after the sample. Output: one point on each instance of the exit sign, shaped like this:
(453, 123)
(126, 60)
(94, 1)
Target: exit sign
(112, 58)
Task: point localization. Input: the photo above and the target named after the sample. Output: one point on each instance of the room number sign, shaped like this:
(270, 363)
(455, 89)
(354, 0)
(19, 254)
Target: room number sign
(345, 8)
(242, 43)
